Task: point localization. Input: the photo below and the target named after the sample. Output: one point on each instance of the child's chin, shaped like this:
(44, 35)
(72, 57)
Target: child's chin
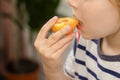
(88, 37)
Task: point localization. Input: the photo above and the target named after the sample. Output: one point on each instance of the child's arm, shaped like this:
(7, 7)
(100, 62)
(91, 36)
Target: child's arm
(55, 75)
(51, 49)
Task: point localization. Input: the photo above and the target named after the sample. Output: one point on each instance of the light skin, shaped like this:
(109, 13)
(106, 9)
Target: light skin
(99, 18)
(52, 48)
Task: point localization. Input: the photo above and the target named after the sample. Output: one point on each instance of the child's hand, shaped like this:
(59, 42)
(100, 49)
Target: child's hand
(52, 48)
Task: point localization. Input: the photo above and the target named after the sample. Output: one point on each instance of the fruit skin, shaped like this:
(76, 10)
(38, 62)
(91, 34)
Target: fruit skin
(62, 22)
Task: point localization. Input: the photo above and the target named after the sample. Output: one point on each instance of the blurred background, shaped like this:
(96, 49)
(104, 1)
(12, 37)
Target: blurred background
(20, 21)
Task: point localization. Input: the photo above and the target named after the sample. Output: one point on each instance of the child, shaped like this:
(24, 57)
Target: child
(96, 56)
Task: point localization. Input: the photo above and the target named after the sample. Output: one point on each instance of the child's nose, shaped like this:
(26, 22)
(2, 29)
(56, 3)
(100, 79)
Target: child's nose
(72, 3)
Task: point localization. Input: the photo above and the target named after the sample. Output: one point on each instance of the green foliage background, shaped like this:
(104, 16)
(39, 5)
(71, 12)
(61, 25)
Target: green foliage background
(39, 11)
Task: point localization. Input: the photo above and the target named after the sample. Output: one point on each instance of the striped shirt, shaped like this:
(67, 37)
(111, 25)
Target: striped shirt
(87, 62)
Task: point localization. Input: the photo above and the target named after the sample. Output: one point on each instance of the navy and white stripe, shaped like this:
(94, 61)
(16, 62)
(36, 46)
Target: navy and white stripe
(86, 63)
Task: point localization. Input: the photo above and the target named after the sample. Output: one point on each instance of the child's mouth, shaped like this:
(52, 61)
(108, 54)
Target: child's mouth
(79, 26)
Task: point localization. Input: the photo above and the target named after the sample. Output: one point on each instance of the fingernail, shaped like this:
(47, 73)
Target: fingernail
(73, 34)
(55, 17)
(67, 28)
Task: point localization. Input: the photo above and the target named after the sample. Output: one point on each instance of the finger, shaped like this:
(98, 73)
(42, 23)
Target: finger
(44, 30)
(60, 52)
(58, 35)
(62, 42)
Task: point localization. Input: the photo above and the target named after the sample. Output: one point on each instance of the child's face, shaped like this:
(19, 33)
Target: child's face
(99, 17)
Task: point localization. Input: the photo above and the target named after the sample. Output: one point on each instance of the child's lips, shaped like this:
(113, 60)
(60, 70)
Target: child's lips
(79, 26)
